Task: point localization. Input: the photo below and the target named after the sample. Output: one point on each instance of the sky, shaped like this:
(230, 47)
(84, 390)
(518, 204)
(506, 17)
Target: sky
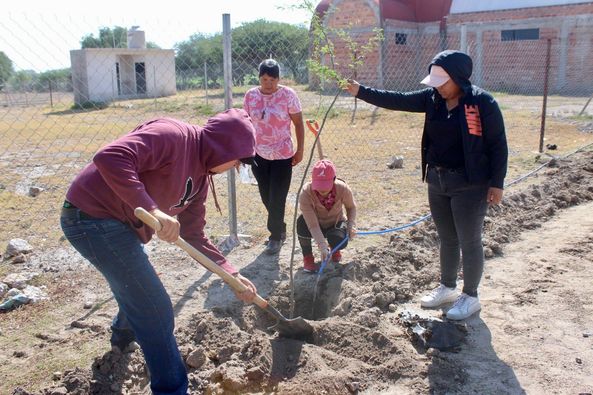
(39, 34)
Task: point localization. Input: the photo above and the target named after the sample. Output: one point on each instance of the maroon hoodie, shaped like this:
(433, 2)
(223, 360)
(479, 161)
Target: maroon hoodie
(164, 164)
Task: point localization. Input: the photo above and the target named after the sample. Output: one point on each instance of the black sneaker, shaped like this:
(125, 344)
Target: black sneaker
(273, 247)
(128, 348)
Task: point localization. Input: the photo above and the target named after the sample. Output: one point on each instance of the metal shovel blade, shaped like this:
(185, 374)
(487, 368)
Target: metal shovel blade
(293, 328)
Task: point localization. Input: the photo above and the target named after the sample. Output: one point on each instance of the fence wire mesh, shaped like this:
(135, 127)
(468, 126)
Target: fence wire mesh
(52, 122)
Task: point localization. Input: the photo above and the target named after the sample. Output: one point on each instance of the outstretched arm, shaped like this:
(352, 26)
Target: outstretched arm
(415, 101)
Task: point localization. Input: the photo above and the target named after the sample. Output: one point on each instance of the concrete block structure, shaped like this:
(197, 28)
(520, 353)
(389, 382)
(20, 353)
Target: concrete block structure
(108, 74)
(507, 39)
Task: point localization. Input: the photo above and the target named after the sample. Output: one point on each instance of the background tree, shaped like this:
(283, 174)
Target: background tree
(59, 79)
(200, 48)
(108, 38)
(191, 56)
(6, 69)
(22, 80)
(116, 37)
(261, 39)
(31, 81)
(252, 43)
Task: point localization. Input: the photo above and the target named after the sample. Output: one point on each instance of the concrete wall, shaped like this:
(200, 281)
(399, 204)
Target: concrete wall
(160, 74)
(101, 75)
(79, 73)
(94, 73)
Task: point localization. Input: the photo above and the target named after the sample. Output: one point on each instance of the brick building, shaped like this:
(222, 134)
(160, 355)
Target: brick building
(507, 39)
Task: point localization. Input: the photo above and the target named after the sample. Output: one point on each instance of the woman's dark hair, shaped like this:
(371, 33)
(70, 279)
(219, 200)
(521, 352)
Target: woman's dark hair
(269, 67)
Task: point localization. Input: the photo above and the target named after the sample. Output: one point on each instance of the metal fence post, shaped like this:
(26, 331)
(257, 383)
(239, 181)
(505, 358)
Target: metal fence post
(228, 103)
(154, 85)
(545, 103)
(51, 98)
(206, 82)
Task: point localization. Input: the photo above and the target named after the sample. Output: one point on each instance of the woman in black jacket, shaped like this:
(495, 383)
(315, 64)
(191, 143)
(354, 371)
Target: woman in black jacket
(464, 162)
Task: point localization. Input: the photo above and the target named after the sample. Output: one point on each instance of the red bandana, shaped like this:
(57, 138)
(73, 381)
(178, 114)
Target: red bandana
(329, 200)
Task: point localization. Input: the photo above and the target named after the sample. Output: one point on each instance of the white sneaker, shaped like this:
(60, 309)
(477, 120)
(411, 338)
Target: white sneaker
(464, 307)
(438, 296)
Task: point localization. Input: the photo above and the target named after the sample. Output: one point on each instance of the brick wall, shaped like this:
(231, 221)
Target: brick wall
(520, 65)
(347, 14)
(371, 61)
(404, 66)
(512, 66)
(358, 18)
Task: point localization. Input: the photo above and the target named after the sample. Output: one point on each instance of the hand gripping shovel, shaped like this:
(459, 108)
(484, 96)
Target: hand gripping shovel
(296, 328)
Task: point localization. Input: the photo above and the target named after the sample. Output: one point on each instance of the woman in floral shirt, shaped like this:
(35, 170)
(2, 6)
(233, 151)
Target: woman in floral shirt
(273, 107)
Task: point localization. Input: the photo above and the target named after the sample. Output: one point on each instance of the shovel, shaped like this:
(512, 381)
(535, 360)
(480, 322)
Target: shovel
(313, 126)
(296, 328)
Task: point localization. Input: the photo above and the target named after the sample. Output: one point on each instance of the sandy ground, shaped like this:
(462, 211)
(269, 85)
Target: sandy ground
(534, 334)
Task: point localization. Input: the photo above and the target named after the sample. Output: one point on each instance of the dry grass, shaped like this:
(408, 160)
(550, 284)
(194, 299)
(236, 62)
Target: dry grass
(43, 344)
(46, 147)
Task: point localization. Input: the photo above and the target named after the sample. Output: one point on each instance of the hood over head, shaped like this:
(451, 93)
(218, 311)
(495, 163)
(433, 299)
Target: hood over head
(458, 66)
(227, 136)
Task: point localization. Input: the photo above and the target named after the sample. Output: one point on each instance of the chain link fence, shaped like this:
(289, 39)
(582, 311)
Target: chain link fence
(51, 124)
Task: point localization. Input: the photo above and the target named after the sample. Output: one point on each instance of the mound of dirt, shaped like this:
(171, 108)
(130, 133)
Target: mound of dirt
(359, 342)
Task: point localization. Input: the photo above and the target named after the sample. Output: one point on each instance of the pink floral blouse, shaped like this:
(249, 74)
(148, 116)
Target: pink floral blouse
(270, 115)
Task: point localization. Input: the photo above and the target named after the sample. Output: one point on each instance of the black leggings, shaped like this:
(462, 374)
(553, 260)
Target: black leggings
(333, 234)
(458, 210)
(273, 181)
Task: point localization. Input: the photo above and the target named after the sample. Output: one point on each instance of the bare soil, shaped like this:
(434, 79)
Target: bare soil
(534, 334)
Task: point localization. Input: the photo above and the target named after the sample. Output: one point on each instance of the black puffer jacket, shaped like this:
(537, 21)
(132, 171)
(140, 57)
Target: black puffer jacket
(484, 140)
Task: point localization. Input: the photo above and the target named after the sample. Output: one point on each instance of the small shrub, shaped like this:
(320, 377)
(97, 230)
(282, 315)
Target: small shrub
(204, 109)
(90, 105)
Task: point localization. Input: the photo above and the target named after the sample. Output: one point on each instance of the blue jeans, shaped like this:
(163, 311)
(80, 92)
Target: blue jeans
(145, 309)
(458, 209)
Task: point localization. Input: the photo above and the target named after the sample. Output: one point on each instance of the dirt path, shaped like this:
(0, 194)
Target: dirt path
(535, 331)
(534, 335)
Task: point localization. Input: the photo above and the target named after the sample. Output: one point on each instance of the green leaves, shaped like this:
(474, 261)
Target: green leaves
(116, 37)
(252, 42)
(108, 38)
(338, 67)
(6, 69)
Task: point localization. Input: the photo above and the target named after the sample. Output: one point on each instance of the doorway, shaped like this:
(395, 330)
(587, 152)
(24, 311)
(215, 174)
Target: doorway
(140, 69)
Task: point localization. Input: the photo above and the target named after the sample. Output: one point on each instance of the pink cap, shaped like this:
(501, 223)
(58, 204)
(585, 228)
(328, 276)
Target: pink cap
(437, 77)
(324, 173)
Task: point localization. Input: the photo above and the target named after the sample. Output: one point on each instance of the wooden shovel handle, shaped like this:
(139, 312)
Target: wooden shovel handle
(202, 259)
(313, 126)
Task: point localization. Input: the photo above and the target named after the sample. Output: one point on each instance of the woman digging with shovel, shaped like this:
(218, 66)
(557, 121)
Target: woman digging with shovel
(164, 166)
